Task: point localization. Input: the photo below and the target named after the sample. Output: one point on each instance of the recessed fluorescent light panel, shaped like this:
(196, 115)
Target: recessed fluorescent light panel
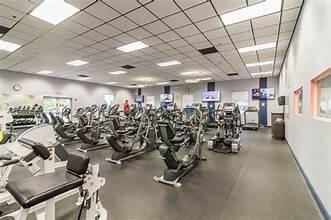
(45, 72)
(260, 63)
(162, 83)
(169, 63)
(192, 80)
(77, 62)
(54, 11)
(257, 47)
(205, 79)
(260, 9)
(190, 73)
(132, 47)
(7, 46)
(112, 83)
(117, 72)
(261, 73)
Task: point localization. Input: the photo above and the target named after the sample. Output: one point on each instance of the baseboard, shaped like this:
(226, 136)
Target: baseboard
(326, 215)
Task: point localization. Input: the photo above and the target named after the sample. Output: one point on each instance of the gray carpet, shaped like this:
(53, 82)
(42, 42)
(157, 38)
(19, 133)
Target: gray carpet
(261, 182)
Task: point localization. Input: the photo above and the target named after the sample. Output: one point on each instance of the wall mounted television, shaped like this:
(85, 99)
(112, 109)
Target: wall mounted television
(211, 96)
(168, 98)
(139, 99)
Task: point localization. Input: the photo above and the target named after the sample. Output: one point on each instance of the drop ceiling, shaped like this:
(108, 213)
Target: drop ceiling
(173, 30)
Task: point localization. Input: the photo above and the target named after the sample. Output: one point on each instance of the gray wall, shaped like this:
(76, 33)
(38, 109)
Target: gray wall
(309, 55)
(226, 88)
(82, 93)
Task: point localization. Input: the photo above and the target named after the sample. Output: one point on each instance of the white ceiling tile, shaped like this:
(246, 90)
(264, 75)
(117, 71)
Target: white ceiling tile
(102, 11)
(7, 22)
(290, 15)
(209, 24)
(184, 4)
(265, 21)
(108, 30)
(36, 23)
(152, 41)
(139, 33)
(123, 5)
(86, 19)
(178, 43)
(239, 27)
(123, 24)
(162, 8)
(124, 38)
(80, 3)
(223, 6)
(177, 20)
(141, 16)
(169, 36)
(187, 31)
(214, 34)
(196, 38)
(287, 27)
(95, 35)
(291, 4)
(271, 30)
(201, 12)
(73, 26)
(156, 27)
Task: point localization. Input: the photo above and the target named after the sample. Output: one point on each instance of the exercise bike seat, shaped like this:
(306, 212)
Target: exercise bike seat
(37, 189)
(178, 139)
(124, 131)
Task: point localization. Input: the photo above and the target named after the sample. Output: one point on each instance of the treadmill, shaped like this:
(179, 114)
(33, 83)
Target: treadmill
(252, 122)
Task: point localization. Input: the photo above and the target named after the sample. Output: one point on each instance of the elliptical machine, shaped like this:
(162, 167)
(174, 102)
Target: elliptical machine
(90, 135)
(227, 138)
(188, 139)
(129, 143)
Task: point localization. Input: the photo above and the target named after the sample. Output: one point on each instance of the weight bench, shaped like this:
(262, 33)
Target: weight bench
(35, 190)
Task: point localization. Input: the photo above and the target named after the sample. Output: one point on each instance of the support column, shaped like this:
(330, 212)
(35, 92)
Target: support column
(211, 104)
(263, 104)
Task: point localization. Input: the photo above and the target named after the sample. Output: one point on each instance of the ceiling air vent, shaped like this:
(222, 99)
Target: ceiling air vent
(133, 84)
(128, 67)
(208, 50)
(3, 29)
(83, 76)
(232, 74)
(173, 80)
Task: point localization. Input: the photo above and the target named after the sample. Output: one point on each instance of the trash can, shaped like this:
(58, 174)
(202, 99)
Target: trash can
(278, 129)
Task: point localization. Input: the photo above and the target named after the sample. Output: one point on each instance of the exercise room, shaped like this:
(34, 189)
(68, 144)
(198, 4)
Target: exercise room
(165, 110)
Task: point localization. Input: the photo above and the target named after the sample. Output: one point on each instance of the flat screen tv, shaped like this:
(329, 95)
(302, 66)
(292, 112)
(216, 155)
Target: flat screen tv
(255, 93)
(139, 99)
(168, 98)
(211, 96)
(267, 93)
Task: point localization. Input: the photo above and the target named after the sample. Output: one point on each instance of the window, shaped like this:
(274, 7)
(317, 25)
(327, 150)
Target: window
(150, 100)
(298, 101)
(325, 98)
(321, 95)
(56, 104)
(241, 98)
(109, 99)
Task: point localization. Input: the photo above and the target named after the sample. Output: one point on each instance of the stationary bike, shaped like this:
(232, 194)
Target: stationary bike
(189, 139)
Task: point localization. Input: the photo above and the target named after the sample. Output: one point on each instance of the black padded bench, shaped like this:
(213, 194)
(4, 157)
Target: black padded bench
(37, 189)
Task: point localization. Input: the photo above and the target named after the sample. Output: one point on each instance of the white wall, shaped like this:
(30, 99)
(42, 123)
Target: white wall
(226, 88)
(310, 54)
(82, 93)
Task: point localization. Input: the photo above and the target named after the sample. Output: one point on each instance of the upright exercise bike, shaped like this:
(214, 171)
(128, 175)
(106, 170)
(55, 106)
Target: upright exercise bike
(189, 139)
